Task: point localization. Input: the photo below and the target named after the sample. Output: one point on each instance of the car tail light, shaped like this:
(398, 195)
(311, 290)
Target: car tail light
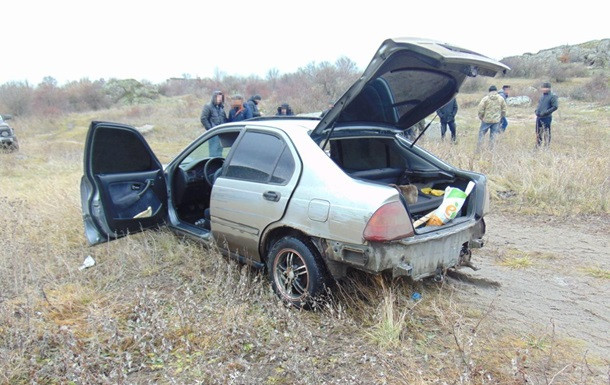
(390, 222)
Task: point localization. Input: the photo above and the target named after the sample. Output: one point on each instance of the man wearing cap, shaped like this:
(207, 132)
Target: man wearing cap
(547, 104)
(252, 104)
(492, 109)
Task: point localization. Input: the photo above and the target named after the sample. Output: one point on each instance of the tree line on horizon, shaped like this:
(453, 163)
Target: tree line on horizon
(310, 88)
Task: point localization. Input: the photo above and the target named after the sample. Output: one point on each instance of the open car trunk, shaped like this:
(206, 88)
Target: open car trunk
(389, 160)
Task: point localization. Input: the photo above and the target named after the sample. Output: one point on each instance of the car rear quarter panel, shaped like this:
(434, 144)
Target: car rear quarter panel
(327, 203)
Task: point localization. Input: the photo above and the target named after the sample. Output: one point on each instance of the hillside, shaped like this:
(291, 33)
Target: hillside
(593, 54)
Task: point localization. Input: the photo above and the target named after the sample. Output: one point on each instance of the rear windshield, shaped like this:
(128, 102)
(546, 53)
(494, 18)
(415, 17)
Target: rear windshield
(398, 97)
(365, 154)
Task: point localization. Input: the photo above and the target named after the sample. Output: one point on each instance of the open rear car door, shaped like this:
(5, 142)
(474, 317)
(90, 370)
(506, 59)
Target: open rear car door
(123, 189)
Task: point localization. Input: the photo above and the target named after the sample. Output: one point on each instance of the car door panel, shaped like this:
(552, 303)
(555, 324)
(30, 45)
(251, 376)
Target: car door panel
(123, 188)
(130, 194)
(253, 190)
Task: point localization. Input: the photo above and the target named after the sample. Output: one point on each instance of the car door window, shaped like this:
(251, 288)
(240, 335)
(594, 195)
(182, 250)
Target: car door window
(261, 157)
(119, 151)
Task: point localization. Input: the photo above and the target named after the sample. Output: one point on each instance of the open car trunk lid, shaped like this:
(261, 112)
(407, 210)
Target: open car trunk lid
(407, 80)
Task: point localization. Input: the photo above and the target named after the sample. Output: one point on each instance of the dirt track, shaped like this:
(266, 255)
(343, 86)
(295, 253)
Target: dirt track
(555, 289)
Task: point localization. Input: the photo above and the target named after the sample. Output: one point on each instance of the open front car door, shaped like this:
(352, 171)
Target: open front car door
(123, 189)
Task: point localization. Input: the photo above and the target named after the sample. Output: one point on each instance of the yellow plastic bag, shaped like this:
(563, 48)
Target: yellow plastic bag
(431, 191)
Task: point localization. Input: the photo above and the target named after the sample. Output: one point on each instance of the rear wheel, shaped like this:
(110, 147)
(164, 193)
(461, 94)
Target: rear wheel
(298, 275)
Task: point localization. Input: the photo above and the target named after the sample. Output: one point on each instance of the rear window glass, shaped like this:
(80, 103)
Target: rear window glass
(365, 154)
(261, 157)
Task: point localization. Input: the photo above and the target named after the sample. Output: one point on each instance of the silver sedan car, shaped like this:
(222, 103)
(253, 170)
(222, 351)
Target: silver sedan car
(306, 198)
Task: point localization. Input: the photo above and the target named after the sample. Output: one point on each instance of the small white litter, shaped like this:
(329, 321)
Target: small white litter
(88, 262)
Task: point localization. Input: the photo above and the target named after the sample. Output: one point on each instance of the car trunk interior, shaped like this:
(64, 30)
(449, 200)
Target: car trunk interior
(384, 160)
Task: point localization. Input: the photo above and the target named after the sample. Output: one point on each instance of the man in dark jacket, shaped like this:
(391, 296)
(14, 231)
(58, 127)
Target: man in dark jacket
(547, 104)
(239, 110)
(447, 116)
(212, 115)
(252, 104)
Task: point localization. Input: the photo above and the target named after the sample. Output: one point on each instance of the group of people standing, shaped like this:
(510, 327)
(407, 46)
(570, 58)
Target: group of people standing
(213, 113)
(492, 114)
(491, 111)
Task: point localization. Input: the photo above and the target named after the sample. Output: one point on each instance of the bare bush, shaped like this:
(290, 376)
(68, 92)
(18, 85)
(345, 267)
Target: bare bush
(16, 98)
(595, 90)
(561, 72)
(474, 85)
(85, 95)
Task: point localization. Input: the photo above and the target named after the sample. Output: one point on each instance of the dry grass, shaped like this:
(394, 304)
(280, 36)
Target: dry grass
(572, 177)
(597, 272)
(159, 309)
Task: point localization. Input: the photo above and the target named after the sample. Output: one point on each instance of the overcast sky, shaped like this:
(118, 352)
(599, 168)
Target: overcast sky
(71, 40)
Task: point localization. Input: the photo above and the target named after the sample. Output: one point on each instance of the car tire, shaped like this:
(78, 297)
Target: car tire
(297, 273)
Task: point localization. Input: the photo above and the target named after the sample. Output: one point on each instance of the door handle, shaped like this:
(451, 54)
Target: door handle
(141, 191)
(271, 196)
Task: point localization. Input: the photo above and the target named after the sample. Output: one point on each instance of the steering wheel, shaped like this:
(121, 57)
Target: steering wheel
(212, 170)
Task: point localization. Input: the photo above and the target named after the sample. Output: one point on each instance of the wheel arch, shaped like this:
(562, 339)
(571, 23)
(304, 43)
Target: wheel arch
(273, 235)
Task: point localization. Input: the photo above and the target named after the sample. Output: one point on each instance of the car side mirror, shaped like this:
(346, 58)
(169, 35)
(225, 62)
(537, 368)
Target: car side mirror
(7, 117)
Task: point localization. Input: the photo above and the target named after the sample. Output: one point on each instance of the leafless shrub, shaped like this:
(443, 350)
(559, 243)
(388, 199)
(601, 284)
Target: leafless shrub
(594, 90)
(474, 85)
(16, 98)
(561, 72)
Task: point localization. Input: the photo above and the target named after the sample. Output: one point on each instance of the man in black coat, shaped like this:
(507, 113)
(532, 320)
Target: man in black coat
(447, 116)
(212, 115)
(547, 104)
(252, 104)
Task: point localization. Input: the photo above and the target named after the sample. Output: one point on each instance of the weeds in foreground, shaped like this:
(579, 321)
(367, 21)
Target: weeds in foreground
(517, 262)
(596, 272)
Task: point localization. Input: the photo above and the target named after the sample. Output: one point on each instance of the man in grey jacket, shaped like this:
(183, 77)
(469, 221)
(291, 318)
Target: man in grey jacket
(212, 115)
(547, 104)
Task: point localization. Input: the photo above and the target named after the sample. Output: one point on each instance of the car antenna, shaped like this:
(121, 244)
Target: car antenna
(424, 130)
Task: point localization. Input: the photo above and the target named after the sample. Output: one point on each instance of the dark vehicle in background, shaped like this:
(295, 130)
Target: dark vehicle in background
(8, 140)
(306, 198)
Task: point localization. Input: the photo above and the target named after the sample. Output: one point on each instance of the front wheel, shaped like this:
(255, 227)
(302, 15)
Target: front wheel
(298, 275)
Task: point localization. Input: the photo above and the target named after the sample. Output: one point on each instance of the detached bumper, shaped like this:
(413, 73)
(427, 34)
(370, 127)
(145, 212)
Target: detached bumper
(419, 256)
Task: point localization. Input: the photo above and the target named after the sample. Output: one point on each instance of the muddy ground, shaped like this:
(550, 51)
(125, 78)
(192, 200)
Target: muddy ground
(557, 291)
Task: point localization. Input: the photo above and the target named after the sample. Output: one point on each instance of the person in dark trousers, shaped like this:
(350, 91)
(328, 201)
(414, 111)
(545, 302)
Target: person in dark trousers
(547, 104)
(212, 115)
(252, 104)
(447, 116)
(284, 109)
(239, 111)
(505, 92)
